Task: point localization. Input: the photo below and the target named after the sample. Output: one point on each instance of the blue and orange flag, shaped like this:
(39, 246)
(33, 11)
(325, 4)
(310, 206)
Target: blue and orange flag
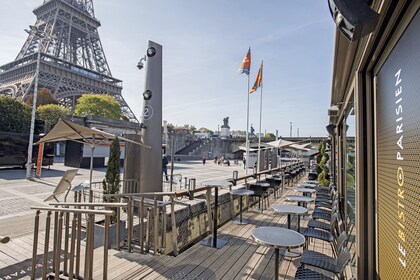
(246, 63)
(258, 80)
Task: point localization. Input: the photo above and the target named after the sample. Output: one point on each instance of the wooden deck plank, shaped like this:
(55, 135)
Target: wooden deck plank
(240, 258)
(247, 242)
(237, 265)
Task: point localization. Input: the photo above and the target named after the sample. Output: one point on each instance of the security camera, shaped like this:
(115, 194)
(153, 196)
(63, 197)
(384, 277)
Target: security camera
(147, 95)
(151, 51)
(140, 65)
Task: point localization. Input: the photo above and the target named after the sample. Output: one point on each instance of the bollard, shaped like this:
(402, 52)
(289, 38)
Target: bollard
(234, 177)
(191, 188)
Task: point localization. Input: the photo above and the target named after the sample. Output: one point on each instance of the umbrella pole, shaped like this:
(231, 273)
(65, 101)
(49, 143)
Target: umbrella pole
(92, 146)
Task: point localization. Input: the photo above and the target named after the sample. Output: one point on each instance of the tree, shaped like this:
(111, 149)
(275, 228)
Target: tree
(16, 116)
(51, 113)
(100, 105)
(190, 127)
(43, 97)
(111, 183)
(170, 127)
(205, 130)
(269, 135)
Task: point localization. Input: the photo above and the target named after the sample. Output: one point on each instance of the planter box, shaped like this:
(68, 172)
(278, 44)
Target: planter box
(99, 234)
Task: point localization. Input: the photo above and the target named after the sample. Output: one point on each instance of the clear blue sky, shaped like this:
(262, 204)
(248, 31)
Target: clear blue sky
(204, 43)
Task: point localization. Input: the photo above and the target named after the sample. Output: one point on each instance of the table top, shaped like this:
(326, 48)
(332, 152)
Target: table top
(275, 178)
(217, 184)
(299, 198)
(241, 192)
(304, 190)
(289, 209)
(311, 182)
(278, 237)
(262, 184)
(306, 185)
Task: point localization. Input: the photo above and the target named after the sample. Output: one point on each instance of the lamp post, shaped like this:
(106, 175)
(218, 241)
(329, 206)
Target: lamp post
(40, 35)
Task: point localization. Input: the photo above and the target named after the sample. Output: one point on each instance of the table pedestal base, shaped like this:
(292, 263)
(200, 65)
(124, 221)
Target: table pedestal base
(239, 222)
(290, 254)
(209, 242)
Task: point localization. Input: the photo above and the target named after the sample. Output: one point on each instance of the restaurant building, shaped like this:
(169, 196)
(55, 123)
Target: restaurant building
(375, 135)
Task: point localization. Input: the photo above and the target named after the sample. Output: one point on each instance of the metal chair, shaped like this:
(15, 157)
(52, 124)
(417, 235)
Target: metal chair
(322, 261)
(328, 236)
(261, 193)
(307, 274)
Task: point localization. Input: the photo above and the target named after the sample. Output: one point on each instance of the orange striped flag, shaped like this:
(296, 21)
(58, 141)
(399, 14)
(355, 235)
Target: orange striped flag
(246, 63)
(258, 80)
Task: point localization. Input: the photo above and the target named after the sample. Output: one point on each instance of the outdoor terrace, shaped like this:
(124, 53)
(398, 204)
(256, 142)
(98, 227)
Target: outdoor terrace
(240, 258)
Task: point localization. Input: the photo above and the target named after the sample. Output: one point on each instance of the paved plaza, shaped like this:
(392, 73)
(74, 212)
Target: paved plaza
(17, 194)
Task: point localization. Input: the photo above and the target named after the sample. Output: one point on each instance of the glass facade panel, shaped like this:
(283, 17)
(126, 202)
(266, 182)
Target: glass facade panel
(349, 165)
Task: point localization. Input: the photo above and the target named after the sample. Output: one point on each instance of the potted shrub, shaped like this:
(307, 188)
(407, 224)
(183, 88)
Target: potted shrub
(323, 177)
(111, 185)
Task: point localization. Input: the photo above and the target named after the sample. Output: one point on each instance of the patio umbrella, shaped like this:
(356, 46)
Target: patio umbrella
(66, 130)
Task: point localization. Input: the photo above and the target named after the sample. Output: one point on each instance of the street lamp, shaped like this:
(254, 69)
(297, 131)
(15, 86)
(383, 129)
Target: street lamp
(40, 35)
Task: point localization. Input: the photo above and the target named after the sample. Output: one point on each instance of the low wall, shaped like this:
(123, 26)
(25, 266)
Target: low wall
(192, 223)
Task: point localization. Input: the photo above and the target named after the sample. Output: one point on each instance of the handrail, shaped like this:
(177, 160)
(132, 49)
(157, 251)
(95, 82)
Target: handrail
(73, 257)
(78, 211)
(101, 204)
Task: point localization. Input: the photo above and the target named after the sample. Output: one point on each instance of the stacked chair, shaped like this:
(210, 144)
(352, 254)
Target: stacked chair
(276, 183)
(262, 194)
(326, 225)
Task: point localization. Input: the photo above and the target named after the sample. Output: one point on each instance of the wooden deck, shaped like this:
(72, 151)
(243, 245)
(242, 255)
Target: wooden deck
(240, 258)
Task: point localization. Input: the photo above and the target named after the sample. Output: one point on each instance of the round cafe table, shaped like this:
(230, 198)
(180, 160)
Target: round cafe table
(277, 238)
(213, 241)
(305, 191)
(306, 185)
(289, 210)
(315, 182)
(299, 199)
(241, 192)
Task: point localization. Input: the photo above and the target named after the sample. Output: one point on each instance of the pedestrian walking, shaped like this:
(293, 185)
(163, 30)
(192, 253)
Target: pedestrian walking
(165, 166)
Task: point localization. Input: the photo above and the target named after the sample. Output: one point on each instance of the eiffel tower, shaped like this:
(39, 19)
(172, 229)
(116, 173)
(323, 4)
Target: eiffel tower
(72, 61)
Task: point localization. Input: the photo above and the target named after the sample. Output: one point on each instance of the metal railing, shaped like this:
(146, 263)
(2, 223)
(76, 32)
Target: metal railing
(70, 264)
(162, 227)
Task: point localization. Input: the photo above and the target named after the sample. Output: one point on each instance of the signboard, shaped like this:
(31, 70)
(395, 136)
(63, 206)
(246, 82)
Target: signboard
(39, 160)
(398, 159)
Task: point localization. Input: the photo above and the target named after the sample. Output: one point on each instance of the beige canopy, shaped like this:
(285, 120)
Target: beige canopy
(280, 143)
(66, 130)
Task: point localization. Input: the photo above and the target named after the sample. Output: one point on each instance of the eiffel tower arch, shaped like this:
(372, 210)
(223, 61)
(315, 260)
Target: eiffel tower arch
(72, 62)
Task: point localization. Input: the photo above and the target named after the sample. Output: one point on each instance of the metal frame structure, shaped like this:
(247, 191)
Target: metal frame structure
(71, 64)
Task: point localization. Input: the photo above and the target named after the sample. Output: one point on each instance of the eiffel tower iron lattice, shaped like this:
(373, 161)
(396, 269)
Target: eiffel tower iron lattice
(72, 61)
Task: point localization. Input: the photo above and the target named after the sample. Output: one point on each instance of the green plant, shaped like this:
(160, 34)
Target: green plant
(111, 183)
(100, 105)
(323, 177)
(16, 116)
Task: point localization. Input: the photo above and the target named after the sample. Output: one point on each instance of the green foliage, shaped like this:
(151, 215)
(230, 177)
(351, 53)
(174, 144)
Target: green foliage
(16, 116)
(111, 183)
(318, 158)
(190, 127)
(205, 130)
(322, 179)
(43, 97)
(51, 113)
(350, 182)
(170, 127)
(322, 168)
(269, 135)
(100, 105)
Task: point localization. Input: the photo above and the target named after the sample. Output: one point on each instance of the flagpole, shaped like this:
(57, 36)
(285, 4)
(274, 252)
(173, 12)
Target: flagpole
(247, 126)
(259, 136)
